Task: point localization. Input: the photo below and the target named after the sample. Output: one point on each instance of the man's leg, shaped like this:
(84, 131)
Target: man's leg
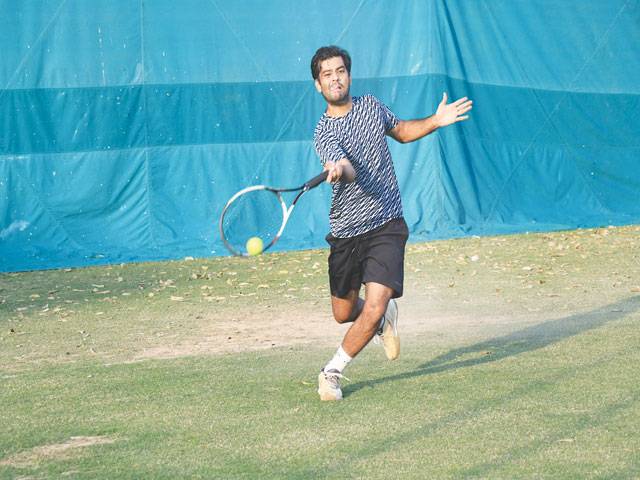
(344, 310)
(365, 315)
(377, 298)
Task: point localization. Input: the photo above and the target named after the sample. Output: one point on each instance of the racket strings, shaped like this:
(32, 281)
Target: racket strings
(256, 213)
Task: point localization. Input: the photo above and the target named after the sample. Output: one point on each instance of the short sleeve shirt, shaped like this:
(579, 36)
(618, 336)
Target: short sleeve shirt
(360, 136)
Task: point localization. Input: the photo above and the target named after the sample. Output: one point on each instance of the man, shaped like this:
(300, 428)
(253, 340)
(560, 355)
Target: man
(368, 233)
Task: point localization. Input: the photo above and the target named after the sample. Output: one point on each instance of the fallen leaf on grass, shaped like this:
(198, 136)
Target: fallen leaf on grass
(211, 299)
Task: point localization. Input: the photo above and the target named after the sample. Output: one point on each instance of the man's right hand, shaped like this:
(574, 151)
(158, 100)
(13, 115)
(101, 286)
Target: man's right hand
(341, 170)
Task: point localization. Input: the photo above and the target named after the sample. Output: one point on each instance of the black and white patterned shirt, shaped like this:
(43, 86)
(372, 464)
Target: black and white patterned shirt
(373, 198)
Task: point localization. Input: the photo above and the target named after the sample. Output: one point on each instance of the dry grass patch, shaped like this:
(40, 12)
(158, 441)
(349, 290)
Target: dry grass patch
(55, 451)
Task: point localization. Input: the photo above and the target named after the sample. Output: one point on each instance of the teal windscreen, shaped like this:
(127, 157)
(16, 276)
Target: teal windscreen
(126, 125)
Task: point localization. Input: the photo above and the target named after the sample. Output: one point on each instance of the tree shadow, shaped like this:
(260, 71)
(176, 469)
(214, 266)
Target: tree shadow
(525, 340)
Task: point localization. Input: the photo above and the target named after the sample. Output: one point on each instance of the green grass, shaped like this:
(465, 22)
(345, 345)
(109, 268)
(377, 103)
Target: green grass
(565, 409)
(555, 396)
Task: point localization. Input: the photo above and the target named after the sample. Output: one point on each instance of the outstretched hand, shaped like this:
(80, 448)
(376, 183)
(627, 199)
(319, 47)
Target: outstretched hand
(446, 114)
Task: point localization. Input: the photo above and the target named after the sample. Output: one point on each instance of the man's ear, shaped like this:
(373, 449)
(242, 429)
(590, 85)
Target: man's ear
(318, 86)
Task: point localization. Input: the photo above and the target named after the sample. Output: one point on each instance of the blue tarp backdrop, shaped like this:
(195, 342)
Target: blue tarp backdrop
(126, 125)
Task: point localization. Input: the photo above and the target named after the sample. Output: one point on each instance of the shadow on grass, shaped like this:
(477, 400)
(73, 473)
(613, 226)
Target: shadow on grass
(525, 340)
(599, 417)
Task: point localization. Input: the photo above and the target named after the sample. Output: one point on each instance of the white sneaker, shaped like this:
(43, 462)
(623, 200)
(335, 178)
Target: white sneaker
(329, 385)
(389, 331)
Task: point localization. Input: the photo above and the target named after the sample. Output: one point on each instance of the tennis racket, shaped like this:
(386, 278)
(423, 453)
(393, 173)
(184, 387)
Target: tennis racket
(259, 211)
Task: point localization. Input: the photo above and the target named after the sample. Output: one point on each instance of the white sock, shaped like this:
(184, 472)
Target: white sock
(339, 361)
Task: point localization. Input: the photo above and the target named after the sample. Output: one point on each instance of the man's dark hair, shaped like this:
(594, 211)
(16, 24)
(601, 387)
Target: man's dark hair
(325, 53)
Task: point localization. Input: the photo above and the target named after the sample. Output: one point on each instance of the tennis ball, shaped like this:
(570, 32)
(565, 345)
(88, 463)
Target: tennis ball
(254, 246)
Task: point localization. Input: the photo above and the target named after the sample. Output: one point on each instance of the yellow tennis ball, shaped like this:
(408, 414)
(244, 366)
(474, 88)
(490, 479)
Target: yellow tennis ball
(254, 246)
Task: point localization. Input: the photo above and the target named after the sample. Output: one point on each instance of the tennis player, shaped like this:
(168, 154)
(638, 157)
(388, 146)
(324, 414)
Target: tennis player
(368, 233)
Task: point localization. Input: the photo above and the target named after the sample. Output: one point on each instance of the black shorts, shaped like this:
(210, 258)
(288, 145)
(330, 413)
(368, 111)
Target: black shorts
(375, 256)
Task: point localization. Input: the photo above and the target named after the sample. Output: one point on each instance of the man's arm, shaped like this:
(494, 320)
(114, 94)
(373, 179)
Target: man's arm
(410, 130)
(342, 170)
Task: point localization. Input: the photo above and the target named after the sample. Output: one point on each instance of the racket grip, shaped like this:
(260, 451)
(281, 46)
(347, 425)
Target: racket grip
(315, 181)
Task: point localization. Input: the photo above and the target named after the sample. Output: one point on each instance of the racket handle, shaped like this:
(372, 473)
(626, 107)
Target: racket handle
(315, 181)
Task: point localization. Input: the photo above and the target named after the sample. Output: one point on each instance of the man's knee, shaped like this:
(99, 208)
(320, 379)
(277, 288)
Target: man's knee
(346, 309)
(341, 316)
(373, 311)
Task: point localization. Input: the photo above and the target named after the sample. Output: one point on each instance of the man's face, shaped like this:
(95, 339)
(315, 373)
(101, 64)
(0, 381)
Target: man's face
(334, 81)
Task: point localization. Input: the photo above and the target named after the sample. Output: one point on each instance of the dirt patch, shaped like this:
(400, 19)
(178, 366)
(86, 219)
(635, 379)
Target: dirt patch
(440, 316)
(288, 328)
(56, 451)
(251, 332)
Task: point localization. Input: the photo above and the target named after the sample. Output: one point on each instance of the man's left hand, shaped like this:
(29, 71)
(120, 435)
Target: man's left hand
(446, 114)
